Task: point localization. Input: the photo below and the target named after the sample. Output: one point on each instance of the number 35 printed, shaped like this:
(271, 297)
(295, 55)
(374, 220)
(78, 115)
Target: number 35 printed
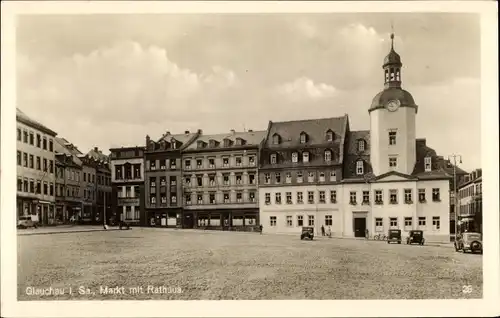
(467, 289)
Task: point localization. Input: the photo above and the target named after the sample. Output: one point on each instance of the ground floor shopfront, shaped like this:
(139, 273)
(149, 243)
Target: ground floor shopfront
(44, 211)
(222, 219)
(68, 211)
(165, 217)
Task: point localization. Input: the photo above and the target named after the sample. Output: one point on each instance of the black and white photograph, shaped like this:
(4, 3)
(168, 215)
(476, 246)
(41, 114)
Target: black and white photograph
(225, 153)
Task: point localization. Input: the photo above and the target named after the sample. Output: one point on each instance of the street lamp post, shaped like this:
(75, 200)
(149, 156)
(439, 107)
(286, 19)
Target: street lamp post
(455, 195)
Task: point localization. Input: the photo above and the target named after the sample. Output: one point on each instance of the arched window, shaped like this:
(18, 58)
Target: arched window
(303, 138)
(276, 139)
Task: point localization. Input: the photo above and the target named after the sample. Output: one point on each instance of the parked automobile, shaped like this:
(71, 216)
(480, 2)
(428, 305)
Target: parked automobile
(124, 226)
(307, 233)
(415, 237)
(469, 241)
(394, 236)
(25, 222)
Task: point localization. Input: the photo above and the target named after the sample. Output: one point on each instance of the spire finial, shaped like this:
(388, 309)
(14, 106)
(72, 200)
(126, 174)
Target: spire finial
(392, 35)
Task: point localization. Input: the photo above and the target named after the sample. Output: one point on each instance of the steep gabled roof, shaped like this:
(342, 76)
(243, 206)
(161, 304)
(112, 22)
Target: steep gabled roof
(251, 138)
(353, 155)
(63, 147)
(25, 119)
(316, 129)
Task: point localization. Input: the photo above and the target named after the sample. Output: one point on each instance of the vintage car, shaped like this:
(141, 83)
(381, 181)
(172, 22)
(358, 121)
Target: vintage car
(307, 233)
(394, 236)
(415, 237)
(469, 241)
(25, 222)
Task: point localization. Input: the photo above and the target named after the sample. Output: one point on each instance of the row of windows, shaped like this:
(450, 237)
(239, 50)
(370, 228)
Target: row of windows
(199, 163)
(379, 224)
(71, 191)
(226, 198)
(393, 197)
(212, 180)
(29, 138)
(299, 177)
(304, 157)
(28, 161)
(128, 172)
(31, 186)
(126, 192)
(471, 208)
(304, 137)
(471, 190)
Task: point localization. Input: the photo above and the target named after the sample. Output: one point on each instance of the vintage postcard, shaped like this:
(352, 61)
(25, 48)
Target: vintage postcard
(231, 158)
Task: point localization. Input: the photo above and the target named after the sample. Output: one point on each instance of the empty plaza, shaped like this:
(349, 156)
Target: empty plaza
(159, 264)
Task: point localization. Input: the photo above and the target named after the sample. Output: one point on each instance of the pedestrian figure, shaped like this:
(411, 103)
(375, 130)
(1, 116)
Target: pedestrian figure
(329, 231)
(322, 230)
(260, 227)
(366, 234)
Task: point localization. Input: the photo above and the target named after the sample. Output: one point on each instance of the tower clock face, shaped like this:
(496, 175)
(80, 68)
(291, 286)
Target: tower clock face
(393, 105)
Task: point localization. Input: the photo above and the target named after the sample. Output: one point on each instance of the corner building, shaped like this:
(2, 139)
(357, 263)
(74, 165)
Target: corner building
(319, 172)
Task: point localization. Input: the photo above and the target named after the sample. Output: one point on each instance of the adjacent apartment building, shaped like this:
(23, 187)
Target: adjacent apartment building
(127, 180)
(68, 182)
(103, 184)
(163, 179)
(470, 195)
(354, 182)
(35, 169)
(220, 181)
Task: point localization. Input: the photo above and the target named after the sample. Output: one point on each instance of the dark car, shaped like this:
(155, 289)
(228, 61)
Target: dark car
(394, 236)
(415, 237)
(307, 233)
(469, 241)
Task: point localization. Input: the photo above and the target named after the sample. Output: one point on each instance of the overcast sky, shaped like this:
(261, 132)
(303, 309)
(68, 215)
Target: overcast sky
(108, 80)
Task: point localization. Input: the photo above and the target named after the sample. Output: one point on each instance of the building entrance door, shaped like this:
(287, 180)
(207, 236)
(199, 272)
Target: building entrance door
(359, 227)
(188, 221)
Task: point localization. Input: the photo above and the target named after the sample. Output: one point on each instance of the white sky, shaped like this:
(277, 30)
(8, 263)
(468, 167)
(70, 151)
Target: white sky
(109, 80)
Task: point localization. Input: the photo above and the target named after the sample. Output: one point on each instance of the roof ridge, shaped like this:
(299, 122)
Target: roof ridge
(312, 119)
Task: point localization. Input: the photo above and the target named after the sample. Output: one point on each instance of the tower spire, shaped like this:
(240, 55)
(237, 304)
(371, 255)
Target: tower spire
(392, 35)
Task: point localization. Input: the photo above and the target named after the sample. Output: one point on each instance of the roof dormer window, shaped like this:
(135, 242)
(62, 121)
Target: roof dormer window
(227, 142)
(173, 143)
(200, 144)
(240, 141)
(361, 145)
(212, 143)
(359, 167)
(276, 139)
(303, 137)
(428, 164)
(273, 158)
(329, 135)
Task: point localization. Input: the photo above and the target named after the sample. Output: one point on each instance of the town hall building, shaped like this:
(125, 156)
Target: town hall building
(320, 173)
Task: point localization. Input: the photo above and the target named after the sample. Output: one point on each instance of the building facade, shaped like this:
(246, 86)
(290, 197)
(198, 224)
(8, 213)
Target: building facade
(127, 181)
(470, 194)
(220, 181)
(35, 170)
(69, 181)
(89, 189)
(300, 172)
(163, 179)
(320, 173)
(103, 180)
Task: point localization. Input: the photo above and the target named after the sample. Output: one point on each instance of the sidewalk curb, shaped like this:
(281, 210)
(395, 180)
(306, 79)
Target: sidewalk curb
(65, 232)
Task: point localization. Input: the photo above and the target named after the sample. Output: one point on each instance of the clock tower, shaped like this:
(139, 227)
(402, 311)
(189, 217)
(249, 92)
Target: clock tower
(392, 122)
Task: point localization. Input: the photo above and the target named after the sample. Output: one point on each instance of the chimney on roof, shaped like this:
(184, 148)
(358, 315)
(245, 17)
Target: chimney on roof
(96, 149)
(200, 131)
(421, 142)
(232, 131)
(250, 130)
(186, 132)
(167, 133)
